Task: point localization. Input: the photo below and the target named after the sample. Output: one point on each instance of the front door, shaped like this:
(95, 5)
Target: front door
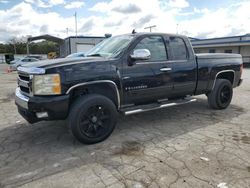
(148, 80)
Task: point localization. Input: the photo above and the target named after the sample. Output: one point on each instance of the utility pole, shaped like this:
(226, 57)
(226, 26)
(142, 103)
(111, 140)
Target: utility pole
(150, 27)
(67, 31)
(177, 25)
(27, 44)
(14, 44)
(27, 48)
(76, 23)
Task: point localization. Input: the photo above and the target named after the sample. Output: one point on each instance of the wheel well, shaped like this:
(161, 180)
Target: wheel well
(226, 75)
(104, 89)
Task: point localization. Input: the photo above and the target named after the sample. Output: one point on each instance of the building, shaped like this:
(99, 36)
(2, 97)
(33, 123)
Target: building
(234, 44)
(78, 44)
(72, 44)
(57, 40)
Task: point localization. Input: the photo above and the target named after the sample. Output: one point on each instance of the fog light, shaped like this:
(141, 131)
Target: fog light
(41, 114)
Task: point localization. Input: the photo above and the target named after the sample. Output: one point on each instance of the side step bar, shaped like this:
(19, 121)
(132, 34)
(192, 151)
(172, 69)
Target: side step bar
(155, 106)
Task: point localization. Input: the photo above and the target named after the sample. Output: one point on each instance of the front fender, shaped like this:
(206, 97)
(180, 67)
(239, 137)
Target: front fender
(94, 85)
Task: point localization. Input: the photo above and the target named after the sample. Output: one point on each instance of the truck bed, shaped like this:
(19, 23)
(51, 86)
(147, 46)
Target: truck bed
(217, 56)
(210, 64)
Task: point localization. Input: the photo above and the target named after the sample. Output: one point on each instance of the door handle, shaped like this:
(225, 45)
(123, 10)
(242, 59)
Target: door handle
(165, 69)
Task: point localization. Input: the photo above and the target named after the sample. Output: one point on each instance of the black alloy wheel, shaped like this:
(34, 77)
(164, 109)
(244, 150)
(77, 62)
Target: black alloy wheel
(92, 118)
(225, 94)
(221, 95)
(95, 121)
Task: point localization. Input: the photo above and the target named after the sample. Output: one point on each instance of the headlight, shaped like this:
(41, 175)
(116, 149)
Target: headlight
(48, 84)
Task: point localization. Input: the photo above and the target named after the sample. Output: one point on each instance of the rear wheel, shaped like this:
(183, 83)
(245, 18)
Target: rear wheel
(92, 118)
(221, 95)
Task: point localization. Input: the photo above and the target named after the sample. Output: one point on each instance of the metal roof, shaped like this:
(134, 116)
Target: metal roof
(241, 40)
(229, 37)
(96, 37)
(46, 37)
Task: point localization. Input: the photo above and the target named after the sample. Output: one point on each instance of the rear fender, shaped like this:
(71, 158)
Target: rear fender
(224, 74)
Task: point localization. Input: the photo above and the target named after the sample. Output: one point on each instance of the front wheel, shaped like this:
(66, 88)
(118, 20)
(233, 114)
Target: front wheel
(92, 118)
(221, 95)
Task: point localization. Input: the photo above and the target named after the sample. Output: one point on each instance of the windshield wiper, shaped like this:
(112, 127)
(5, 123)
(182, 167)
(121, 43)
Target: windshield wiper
(94, 55)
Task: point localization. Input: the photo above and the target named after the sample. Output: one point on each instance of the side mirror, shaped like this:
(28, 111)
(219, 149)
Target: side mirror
(140, 54)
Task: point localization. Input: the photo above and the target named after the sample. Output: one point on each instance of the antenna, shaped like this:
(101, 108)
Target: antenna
(150, 27)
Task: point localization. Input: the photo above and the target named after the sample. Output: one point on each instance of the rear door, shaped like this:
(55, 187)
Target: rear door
(148, 80)
(184, 66)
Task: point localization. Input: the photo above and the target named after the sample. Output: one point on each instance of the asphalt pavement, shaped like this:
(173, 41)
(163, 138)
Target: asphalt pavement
(183, 146)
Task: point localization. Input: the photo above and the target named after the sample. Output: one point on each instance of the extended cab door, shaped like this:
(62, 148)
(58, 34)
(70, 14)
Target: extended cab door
(148, 80)
(184, 66)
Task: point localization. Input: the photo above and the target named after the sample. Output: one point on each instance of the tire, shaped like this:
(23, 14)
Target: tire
(92, 118)
(221, 95)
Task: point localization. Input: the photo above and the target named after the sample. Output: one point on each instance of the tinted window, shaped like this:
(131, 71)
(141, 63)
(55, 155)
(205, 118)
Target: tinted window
(229, 51)
(111, 47)
(178, 48)
(155, 45)
(25, 60)
(211, 50)
(197, 51)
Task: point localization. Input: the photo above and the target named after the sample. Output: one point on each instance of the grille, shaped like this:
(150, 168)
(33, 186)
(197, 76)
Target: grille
(24, 77)
(24, 82)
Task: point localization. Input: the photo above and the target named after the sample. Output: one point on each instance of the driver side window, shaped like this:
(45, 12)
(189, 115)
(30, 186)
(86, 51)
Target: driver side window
(155, 45)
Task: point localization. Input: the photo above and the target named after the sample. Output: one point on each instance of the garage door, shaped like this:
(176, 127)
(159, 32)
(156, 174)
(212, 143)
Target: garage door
(84, 47)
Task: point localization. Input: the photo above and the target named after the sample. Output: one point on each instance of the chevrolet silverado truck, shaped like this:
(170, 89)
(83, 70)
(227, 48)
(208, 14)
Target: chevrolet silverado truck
(124, 74)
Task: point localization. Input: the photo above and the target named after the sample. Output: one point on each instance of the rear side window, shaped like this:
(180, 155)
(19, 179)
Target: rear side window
(211, 50)
(156, 46)
(25, 60)
(178, 48)
(229, 51)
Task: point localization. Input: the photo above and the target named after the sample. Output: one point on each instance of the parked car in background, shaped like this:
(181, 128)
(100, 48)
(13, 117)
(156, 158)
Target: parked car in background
(39, 57)
(14, 61)
(19, 62)
(75, 55)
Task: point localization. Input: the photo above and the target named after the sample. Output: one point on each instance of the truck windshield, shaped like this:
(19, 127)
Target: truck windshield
(111, 47)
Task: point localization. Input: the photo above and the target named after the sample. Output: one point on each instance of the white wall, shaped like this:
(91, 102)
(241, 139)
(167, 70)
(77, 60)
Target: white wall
(83, 41)
(84, 47)
(235, 49)
(244, 51)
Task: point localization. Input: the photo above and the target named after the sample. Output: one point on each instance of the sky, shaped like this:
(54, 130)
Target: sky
(194, 18)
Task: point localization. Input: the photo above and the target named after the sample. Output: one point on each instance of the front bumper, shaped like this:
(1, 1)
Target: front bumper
(56, 106)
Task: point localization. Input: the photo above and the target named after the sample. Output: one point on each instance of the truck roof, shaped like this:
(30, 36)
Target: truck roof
(154, 33)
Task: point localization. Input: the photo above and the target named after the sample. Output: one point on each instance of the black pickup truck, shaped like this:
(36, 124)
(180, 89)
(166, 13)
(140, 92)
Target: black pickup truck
(124, 74)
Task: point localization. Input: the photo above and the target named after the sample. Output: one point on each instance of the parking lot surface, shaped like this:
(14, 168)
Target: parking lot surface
(183, 146)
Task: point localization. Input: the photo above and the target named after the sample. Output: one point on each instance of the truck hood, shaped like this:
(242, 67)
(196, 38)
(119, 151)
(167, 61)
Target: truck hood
(62, 62)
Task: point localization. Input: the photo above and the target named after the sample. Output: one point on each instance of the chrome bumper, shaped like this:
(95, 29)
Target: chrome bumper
(21, 100)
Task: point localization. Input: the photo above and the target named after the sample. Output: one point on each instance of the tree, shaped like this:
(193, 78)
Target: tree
(18, 46)
(2, 48)
(43, 47)
(13, 42)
